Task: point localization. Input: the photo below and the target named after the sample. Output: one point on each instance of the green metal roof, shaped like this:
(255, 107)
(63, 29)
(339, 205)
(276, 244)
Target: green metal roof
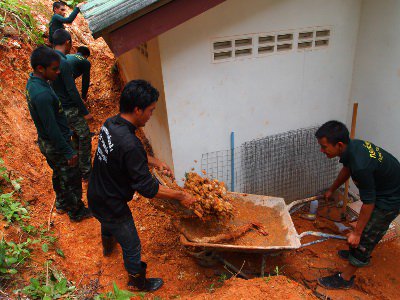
(102, 14)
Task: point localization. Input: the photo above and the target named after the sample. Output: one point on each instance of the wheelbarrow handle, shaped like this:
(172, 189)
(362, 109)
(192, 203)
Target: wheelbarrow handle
(301, 201)
(322, 234)
(325, 236)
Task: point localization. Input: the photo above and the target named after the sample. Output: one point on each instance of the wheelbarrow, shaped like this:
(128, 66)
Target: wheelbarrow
(210, 251)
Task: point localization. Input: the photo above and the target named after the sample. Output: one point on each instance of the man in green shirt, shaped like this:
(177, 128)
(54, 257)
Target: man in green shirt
(376, 173)
(75, 110)
(80, 66)
(54, 136)
(58, 19)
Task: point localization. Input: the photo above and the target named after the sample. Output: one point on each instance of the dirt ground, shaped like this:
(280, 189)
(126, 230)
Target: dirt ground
(165, 256)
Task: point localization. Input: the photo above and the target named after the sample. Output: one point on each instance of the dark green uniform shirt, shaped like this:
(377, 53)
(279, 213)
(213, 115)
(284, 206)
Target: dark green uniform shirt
(80, 66)
(65, 87)
(48, 115)
(375, 172)
(57, 22)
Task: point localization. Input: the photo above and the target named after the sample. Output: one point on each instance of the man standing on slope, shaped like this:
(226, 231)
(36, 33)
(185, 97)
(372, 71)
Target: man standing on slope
(58, 19)
(120, 169)
(75, 110)
(54, 136)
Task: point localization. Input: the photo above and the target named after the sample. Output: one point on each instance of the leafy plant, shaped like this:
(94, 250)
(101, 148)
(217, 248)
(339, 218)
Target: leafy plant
(116, 294)
(211, 288)
(21, 19)
(222, 277)
(45, 248)
(277, 272)
(6, 175)
(11, 209)
(29, 229)
(45, 236)
(60, 252)
(53, 285)
(12, 255)
(73, 3)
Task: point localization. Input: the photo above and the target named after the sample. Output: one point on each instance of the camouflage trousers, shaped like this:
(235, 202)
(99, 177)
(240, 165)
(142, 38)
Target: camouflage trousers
(81, 139)
(373, 232)
(67, 183)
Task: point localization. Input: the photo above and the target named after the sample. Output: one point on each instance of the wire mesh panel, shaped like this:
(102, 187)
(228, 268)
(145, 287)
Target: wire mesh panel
(218, 165)
(288, 165)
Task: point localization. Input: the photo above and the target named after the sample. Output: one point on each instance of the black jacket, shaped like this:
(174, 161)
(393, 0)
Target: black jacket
(120, 168)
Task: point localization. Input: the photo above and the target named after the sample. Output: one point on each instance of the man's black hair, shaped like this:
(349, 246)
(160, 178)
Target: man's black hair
(43, 56)
(58, 4)
(137, 93)
(334, 132)
(84, 51)
(60, 37)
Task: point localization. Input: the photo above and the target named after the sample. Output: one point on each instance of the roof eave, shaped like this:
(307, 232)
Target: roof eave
(104, 31)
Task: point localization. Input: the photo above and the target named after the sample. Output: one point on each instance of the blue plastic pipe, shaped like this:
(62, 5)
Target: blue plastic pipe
(232, 161)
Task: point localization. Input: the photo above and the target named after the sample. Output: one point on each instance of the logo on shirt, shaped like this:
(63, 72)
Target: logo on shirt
(28, 97)
(60, 108)
(373, 153)
(105, 146)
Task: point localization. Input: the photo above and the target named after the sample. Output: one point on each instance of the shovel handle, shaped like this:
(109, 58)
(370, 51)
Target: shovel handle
(301, 201)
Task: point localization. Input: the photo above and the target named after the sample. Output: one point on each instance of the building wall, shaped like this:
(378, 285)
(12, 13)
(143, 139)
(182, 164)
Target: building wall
(376, 81)
(258, 96)
(135, 65)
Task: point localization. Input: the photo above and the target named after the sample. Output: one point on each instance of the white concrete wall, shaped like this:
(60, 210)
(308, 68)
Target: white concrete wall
(135, 65)
(376, 81)
(254, 97)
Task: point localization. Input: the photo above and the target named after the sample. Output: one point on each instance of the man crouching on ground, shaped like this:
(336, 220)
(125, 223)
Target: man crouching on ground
(120, 168)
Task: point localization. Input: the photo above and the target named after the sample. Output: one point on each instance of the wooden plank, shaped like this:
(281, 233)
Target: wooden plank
(156, 22)
(352, 135)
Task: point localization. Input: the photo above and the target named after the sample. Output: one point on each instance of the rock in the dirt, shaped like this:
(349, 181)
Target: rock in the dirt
(9, 31)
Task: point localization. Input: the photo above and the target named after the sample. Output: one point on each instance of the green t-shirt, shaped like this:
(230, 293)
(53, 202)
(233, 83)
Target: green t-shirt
(47, 114)
(65, 88)
(58, 21)
(80, 66)
(375, 172)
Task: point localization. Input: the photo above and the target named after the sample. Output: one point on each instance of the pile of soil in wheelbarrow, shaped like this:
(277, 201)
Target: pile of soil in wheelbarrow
(212, 198)
(251, 225)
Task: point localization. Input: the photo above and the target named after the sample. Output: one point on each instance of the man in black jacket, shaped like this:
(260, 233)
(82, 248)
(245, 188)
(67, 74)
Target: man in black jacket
(120, 169)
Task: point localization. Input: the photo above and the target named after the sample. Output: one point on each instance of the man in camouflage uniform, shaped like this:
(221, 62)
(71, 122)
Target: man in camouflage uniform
(376, 173)
(54, 136)
(74, 108)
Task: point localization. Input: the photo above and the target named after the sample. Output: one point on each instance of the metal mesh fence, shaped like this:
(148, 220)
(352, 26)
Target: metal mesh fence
(288, 165)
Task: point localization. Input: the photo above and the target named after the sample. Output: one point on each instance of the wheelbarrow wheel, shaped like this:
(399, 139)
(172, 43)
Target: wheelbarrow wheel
(205, 258)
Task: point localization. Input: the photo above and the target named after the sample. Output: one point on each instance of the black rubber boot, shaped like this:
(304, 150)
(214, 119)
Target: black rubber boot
(108, 243)
(82, 214)
(139, 282)
(344, 254)
(336, 282)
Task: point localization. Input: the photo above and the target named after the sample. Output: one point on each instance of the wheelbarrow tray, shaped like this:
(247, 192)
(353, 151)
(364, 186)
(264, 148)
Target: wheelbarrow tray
(276, 203)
